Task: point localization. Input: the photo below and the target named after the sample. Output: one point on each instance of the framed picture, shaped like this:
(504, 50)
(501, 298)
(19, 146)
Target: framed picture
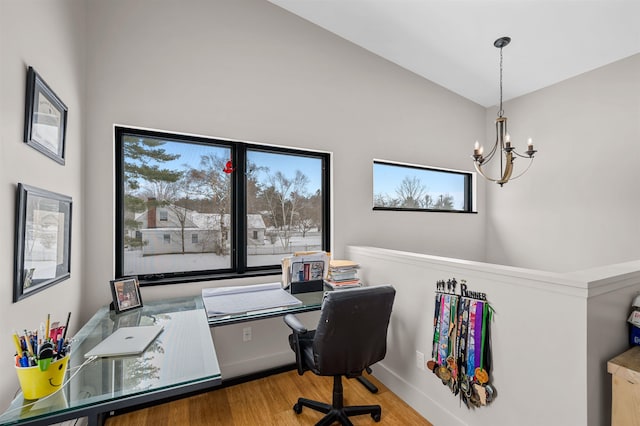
(45, 120)
(42, 240)
(126, 294)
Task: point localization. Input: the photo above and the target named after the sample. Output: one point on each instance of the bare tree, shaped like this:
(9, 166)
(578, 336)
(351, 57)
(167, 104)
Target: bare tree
(210, 182)
(411, 193)
(283, 197)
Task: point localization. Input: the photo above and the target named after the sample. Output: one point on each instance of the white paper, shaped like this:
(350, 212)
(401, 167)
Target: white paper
(240, 299)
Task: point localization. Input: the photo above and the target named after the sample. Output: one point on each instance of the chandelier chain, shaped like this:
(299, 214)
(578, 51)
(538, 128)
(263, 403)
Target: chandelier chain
(500, 111)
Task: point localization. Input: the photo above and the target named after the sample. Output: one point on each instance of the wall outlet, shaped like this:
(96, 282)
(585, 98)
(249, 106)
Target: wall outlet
(420, 360)
(246, 334)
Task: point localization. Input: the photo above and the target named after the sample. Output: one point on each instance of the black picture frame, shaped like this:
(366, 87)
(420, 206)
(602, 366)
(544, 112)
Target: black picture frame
(45, 119)
(126, 294)
(42, 240)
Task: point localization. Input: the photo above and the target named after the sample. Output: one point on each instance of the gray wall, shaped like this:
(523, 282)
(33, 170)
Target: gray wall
(577, 207)
(252, 71)
(50, 36)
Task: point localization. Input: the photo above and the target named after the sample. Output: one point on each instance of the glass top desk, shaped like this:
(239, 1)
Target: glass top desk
(311, 301)
(181, 360)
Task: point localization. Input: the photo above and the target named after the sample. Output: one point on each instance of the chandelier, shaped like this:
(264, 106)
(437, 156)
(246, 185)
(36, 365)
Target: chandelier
(502, 146)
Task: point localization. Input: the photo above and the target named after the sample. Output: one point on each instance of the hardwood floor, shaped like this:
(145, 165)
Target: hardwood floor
(269, 401)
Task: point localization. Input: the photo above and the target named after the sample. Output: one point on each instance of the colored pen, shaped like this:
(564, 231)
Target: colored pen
(45, 335)
(42, 337)
(27, 339)
(16, 341)
(66, 327)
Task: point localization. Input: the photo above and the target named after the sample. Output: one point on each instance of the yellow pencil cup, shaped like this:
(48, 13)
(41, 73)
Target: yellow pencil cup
(38, 384)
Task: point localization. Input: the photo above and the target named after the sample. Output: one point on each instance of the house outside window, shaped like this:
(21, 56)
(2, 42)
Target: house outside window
(245, 206)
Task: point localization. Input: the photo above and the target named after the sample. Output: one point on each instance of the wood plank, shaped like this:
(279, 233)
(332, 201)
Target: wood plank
(269, 401)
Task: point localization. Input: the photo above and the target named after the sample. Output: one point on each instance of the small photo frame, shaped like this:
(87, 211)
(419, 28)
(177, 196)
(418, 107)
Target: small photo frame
(126, 294)
(45, 120)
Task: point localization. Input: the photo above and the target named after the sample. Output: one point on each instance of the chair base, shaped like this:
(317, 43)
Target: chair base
(336, 412)
(367, 384)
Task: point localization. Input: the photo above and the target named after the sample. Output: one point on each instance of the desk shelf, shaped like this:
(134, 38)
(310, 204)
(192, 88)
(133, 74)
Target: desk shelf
(311, 301)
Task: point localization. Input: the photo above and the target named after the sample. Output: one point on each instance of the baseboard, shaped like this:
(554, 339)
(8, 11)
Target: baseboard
(415, 398)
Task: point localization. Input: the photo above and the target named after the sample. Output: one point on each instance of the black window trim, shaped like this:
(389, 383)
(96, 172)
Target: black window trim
(239, 268)
(469, 188)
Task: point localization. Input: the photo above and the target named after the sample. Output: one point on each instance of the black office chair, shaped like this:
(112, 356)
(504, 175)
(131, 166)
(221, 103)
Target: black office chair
(350, 336)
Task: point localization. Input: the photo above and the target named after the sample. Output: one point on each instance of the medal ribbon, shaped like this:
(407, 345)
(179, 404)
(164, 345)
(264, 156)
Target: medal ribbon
(479, 334)
(464, 332)
(436, 326)
(452, 324)
(444, 330)
(471, 340)
(486, 351)
(453, 341)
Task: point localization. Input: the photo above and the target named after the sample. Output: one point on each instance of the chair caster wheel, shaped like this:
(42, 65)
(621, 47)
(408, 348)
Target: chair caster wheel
(297, 408)
(376, 417)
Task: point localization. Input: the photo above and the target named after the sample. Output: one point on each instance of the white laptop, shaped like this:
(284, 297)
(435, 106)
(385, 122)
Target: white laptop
(126, 341)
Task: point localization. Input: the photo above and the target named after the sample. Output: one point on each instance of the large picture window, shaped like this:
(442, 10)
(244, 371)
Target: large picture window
(192, 208)
(399, 186)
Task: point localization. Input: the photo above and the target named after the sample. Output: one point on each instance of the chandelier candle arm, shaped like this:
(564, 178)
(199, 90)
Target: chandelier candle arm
(502, 144)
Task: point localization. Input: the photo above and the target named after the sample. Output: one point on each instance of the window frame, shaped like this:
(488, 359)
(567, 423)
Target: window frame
(239, 235)
(469, 187)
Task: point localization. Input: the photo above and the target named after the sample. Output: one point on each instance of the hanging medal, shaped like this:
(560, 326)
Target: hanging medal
(444, 330)
(436, 326)
(471, 340)
(451, 358)
(461, 352)
(480, 373)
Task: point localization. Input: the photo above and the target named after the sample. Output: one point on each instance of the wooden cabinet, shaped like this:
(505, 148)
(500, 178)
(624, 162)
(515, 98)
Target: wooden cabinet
(625, 379)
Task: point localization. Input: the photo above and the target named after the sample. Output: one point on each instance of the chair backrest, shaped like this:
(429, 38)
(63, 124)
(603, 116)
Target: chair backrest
(352, 331)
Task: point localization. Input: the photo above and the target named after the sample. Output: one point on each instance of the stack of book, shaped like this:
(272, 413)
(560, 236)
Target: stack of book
(343, 274)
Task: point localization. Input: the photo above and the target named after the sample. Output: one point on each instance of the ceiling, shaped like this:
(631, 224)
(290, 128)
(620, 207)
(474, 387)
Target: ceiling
(450, 42)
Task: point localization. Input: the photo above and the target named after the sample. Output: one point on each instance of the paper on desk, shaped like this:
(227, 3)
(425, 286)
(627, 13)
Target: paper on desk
(240, 299)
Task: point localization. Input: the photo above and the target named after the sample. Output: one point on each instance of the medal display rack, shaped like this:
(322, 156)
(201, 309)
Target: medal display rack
(461, 356)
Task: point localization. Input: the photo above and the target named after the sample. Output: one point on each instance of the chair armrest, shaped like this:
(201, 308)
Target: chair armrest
(294, 324)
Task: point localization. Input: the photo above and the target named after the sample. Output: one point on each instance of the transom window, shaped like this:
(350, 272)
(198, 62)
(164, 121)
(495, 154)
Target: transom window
(399, 186)
(244, 206)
